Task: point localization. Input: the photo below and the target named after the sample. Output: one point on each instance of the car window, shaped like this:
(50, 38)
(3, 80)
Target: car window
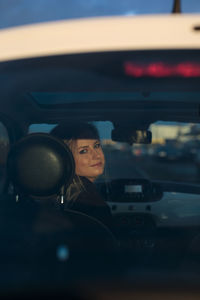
(175, 148)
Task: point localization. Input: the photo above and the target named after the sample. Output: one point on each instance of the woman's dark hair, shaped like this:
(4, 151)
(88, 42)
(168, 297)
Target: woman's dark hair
(74, 131)
(70, 132)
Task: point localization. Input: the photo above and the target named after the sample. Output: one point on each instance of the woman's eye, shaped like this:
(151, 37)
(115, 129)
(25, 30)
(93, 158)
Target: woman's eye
(97, 145)
(83, 151)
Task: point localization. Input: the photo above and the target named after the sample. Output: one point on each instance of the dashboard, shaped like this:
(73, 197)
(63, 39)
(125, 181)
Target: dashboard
(132, 190)
(168, 204)
(155, 224)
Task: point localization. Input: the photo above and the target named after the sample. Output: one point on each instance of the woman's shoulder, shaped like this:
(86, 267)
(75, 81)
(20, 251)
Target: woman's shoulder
(90, 202)
(86, 182)
(89, 194)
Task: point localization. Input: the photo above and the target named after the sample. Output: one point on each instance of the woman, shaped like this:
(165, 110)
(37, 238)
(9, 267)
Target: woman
(82, 195)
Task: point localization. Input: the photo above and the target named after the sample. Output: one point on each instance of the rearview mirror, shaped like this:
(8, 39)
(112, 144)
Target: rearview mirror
(131, 136)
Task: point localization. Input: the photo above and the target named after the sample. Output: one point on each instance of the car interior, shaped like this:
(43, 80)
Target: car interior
(146, 106)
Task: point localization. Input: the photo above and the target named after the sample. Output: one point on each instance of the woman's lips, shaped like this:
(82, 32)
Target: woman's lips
(97, 165)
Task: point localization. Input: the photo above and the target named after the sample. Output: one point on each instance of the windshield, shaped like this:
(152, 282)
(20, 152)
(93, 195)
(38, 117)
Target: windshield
(173, 154)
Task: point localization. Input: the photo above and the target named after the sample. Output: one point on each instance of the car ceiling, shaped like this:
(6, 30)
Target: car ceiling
(93, 73)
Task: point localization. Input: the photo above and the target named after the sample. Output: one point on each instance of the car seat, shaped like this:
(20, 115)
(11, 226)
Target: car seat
(52, 243)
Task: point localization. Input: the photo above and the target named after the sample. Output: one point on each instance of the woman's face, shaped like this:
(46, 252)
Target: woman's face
(89, 158)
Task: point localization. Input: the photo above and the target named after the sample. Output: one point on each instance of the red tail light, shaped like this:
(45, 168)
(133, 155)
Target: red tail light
(160, 69)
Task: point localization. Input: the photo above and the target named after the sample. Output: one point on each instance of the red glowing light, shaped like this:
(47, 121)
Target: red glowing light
(160, 69)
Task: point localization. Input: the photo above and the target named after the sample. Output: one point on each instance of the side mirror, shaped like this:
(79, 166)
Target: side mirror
(131, 136)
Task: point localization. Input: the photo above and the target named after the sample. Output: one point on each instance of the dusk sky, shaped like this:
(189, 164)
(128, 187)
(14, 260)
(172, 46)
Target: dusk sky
(19, 12)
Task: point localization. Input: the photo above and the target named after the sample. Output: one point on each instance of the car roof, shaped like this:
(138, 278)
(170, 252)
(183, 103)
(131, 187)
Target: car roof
(101, 34)
(86, 56)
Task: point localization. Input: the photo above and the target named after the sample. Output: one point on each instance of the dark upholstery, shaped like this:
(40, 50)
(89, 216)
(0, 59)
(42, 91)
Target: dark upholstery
(40, 165)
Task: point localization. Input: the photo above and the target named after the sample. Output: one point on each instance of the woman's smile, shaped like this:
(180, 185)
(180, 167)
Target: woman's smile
(97, 165)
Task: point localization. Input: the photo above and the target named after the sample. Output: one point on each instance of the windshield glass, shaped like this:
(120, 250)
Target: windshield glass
(173, 154)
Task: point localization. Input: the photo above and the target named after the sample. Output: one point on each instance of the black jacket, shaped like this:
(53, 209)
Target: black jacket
(91, 203)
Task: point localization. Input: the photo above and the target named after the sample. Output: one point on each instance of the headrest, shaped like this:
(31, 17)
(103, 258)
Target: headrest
(39, 165)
